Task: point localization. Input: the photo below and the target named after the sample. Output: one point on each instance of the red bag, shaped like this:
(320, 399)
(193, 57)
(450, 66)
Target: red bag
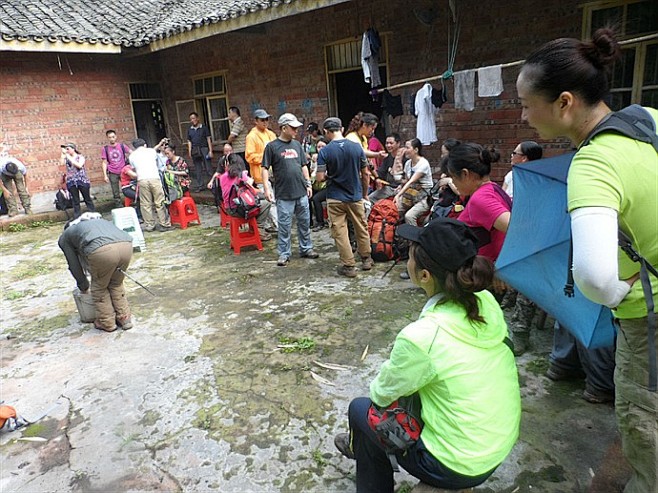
(381, 227)
(398, 426)
(243, 201)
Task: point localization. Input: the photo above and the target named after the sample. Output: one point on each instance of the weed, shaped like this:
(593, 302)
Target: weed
(319, 459)
(14, 295)
(16, 227)
(40, 224)
(297, 345)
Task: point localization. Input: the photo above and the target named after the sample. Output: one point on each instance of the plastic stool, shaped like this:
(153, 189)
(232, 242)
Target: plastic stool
(224, 217)
(183, 211)
(240, 238)
(125, 218)
(127, 201)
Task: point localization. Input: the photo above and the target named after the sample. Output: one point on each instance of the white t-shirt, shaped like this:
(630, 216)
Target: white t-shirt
(508, 183)
(425, 126)
(422, 166)
(144, 160)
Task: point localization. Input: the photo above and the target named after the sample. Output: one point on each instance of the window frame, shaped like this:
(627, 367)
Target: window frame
(203, 102)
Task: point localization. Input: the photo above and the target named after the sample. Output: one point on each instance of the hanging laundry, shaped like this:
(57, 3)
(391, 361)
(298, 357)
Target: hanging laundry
(365, 55)
(439, 96)
(464, 90)
(370, 46)
(392, 104)
(425, 126)
(490, 81)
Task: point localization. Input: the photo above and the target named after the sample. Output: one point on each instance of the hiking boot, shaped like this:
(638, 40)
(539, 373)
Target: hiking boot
(521, 342)
(558, 374)
(342, 443)
(598, 397)
(405, 275)
(160, 228)
(125, 323)
(310, 254)
(283, 261)
(104, 329)
(347, 271)
(367, 263)
(265, 236)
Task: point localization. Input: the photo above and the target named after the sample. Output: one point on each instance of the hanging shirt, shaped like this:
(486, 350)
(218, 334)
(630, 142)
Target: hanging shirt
(425, 126)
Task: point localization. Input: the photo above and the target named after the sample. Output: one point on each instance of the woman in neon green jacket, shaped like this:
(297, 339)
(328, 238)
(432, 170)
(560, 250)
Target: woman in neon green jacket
(456, 358)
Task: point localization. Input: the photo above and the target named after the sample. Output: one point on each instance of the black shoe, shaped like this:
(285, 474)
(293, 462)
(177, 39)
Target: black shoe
(310, 254)
(598, 397)
(558, 374)
(342, 443)
(160, 228)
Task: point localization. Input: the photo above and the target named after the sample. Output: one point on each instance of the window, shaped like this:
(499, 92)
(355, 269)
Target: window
(635, 76)
(212, 104)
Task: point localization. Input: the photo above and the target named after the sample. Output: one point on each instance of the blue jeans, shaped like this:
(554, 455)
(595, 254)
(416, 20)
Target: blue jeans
(374, 473)
(285, 210)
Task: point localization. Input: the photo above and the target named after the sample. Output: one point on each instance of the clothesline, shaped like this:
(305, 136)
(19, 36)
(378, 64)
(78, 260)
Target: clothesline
(504, 65)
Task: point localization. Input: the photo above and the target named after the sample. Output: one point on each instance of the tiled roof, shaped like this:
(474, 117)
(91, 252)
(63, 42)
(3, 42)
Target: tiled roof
(129, 23)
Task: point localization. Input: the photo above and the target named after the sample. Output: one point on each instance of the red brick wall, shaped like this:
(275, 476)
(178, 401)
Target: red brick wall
(43, 106)
(279, 64)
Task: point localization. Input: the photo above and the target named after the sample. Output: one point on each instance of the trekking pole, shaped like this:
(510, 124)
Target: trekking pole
(135, 281)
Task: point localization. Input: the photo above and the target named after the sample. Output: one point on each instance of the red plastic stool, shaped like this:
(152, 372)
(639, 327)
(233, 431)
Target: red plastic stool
(183, 211)
(127, 201)
(240, 238)
(224, 217)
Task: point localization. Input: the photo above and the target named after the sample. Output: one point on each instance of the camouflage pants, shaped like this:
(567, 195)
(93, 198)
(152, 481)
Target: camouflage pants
(636, 406)
(524, 312)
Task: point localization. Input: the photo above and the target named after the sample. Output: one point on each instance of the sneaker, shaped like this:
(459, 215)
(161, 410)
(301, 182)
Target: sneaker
(521, 342)
(310, 254)
(126, 323)
(342, 443)
(272, 229)
(319, 227)
(148, 230)
(367, 263)
(598, 397)
(160, 228)
(557, 374)
(283, 261)
(265, 236)
(104, 329)
(347, 271)
(404, 275)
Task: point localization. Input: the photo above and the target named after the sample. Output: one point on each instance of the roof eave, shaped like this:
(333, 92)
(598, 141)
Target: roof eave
(58, 46)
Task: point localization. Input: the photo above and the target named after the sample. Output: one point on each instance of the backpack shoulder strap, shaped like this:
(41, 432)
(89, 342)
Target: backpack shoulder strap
(633, 121)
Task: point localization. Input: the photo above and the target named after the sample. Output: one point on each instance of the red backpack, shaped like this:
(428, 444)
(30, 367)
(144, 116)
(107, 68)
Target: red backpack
(243, 201)
(382, 221)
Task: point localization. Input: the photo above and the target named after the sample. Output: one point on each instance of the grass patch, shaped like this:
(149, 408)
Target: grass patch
(24, 271)
(16, 227)
(293, 345)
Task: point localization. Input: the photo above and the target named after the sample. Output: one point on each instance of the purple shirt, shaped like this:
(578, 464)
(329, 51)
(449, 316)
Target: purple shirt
(115, 155)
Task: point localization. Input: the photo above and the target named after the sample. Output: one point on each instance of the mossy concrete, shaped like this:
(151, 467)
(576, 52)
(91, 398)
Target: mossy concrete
(216, 389)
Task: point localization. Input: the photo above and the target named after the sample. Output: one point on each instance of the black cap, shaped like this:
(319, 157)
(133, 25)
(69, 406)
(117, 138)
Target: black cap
(312, 127)
(332, 123)
(450, 243)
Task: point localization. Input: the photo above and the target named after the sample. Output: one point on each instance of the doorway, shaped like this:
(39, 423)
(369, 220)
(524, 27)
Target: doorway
(149, 121)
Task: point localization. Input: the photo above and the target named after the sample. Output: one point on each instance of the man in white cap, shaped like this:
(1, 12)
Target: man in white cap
(13, 172)
(287, 160)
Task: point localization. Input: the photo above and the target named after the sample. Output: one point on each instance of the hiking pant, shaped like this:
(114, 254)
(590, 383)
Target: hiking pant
(374, 473)
(636, 406)
(598, 364)
(19, 181)
(107, 283)
(522, 315)
(414, 214)
(116, 188)
(298, 208)
(381, 194)
(318, 197)
(151, 195)
(274, 221)
(132, 195)
(75, 191)
(339, 214)
(202, 168)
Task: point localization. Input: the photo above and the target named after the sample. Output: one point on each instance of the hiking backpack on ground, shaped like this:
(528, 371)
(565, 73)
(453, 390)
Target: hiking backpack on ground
(244, 201)
(382, 221)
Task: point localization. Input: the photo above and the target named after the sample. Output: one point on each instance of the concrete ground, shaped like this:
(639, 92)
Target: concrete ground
(227, 382)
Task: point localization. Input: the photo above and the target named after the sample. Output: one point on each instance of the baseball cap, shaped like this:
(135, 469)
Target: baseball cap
(262, 114)
(71, 145)
(332, 123)
(289, 119)
(450, 243)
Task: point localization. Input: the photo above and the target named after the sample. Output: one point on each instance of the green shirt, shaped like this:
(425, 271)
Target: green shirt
(622, 174)
(467, 380)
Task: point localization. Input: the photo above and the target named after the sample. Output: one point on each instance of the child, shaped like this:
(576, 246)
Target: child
(457, 358)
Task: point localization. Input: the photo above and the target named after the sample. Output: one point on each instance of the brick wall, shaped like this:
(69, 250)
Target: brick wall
(279, 66)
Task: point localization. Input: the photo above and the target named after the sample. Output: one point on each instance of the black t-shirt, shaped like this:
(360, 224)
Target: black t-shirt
(383, 172)
(198, 136)
(344, 160)
(286, 160)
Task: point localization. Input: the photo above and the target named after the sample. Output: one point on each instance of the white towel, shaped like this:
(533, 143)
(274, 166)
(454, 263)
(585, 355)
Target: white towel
(490, 81)
(464, 90)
